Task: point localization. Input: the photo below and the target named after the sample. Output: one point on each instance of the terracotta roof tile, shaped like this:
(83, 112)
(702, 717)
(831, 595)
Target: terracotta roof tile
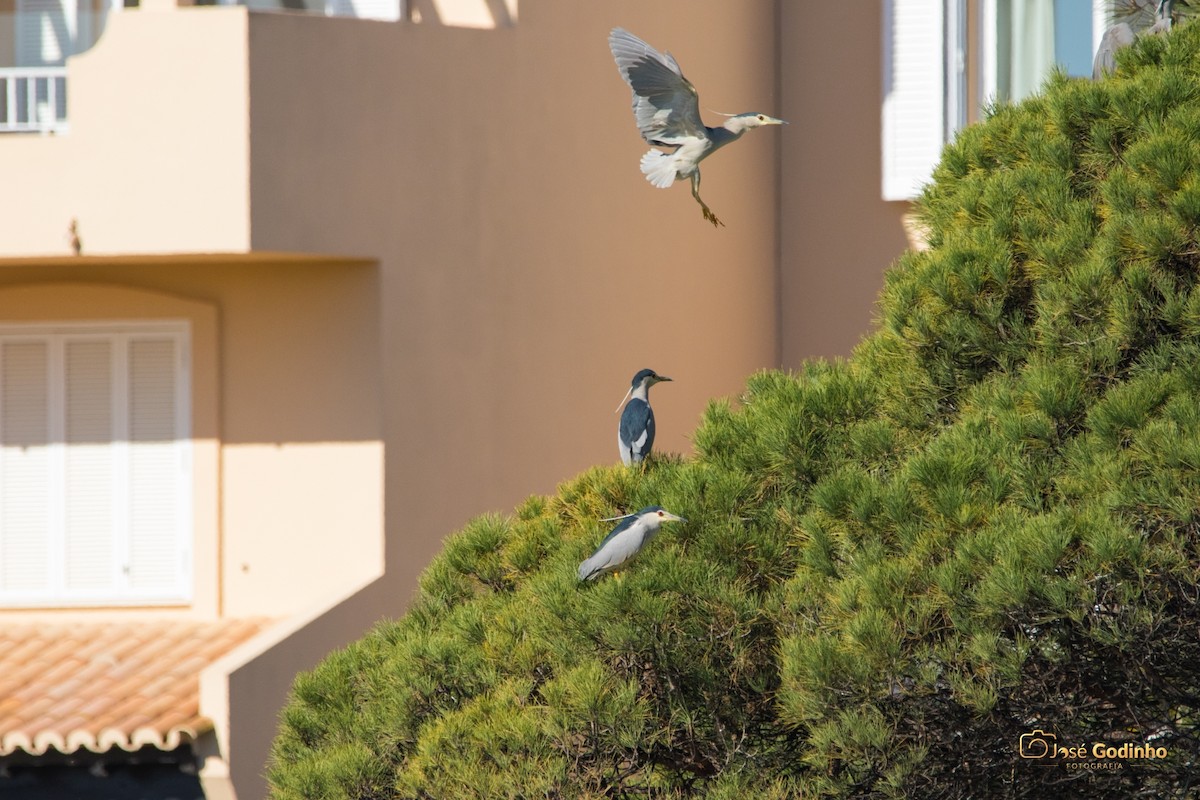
(110, 684)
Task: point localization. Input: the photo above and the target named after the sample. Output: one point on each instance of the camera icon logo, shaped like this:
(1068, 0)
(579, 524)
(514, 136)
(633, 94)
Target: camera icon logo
(1038, 744)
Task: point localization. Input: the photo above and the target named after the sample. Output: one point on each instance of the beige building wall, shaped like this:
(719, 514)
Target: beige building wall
(156, 160)
(837, 234)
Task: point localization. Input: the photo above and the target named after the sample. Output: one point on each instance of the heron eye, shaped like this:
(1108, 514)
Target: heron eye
(760, 117)
(660, 513)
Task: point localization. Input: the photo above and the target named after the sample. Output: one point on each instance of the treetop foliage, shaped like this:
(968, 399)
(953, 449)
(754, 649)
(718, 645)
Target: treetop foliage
(984, 523)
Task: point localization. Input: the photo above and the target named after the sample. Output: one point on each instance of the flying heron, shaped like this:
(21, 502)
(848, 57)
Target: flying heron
(667, 109)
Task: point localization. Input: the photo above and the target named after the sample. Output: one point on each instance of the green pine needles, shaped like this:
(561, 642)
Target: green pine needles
(980, 532)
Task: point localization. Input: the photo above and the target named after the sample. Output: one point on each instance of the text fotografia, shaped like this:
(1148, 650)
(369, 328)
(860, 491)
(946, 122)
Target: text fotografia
(1043, 747)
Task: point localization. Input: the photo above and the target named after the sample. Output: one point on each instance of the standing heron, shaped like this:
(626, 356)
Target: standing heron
(625, 540)
(667, 109)
(635, 435)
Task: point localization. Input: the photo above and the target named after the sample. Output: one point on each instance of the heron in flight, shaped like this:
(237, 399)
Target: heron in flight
(667, 109)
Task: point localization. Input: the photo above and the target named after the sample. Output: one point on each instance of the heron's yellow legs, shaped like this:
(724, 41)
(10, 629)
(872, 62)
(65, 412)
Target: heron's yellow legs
(708, 214)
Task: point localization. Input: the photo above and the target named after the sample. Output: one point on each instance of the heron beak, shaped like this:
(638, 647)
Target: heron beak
(661, 378)
(773, 121)
(669, 517)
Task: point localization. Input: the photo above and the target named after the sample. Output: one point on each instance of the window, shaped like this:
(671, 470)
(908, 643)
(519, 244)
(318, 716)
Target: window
(944, 60)
(918, 117)
(49, 31)
(1023, 40)
(95, 464)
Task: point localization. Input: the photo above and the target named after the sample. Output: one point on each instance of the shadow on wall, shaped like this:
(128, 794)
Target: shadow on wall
(295, 350)
(463, 13)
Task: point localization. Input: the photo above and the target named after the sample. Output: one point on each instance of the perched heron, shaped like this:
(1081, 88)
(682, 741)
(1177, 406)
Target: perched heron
(667, 110)
(635, 436)
(625, 540)
(1122, 34)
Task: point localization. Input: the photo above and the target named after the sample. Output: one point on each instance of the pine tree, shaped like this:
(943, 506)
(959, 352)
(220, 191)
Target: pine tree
(985, 522)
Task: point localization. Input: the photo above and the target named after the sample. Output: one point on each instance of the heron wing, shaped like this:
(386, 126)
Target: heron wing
(625, 525)
(637, 428)
(610, 553)
(665, 104)
(1116, 37)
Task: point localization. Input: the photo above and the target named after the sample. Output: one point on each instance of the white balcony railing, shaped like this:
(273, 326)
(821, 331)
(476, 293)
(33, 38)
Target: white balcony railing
(33, 99)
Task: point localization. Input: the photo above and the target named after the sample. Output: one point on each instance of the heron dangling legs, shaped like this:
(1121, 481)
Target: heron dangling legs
(667, 110)
(625, 540)
(635, 434)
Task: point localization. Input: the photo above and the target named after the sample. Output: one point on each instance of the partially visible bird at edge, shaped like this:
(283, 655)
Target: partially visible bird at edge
(1152, 17)
(667, 110)
(635, 434)
(625, 541)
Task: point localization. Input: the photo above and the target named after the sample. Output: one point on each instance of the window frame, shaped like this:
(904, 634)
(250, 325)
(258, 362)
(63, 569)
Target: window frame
(948, 89)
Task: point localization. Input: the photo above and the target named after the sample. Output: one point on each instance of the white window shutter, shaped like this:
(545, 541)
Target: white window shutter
(95, 464)
(155, 479)
(24, 466)
(914, 94)
(89, 473)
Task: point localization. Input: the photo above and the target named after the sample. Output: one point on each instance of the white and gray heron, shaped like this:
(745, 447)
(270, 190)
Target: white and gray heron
(667, 109)
(625, 540)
